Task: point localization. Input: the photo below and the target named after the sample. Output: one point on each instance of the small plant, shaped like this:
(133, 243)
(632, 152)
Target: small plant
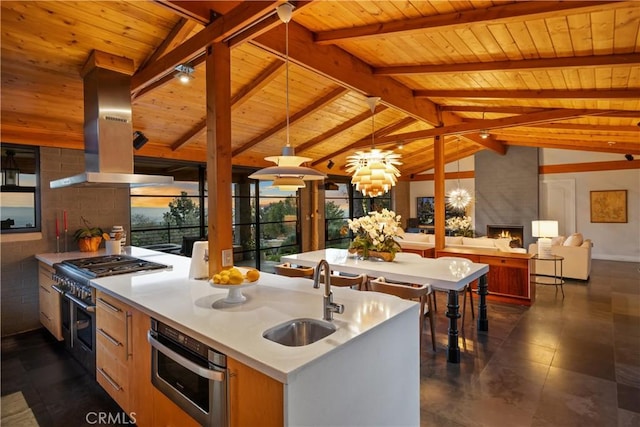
(87, 231)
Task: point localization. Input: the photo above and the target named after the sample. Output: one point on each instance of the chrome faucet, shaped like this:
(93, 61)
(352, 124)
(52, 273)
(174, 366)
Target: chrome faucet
(328, 305)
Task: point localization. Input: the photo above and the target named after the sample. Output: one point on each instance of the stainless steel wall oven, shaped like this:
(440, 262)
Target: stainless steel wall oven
(191, 374)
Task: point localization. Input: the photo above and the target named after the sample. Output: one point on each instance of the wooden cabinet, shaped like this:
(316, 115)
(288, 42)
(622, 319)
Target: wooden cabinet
(113, 348)
(123, 356)
(508, 279)
(254, 398)
(123, 369)
(49, 301)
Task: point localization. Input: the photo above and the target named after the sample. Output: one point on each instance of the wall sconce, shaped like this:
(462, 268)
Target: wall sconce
(185, 73)
(10, 171)
(330, 164)
(139, 139)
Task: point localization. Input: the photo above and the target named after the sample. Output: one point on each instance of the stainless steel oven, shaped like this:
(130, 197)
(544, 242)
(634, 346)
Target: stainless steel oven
(191, 374)
(78, 299)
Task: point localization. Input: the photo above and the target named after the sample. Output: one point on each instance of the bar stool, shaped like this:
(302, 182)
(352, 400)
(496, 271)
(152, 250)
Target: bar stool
(358, 282)
(422, 293)
(286, 269)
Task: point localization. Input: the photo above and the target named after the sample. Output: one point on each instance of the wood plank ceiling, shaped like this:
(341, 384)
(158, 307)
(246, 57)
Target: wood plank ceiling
(545, 74)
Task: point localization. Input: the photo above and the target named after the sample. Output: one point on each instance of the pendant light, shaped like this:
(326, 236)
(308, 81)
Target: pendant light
(287, 175)
(10, 170)
(374, 171)
(458, 198)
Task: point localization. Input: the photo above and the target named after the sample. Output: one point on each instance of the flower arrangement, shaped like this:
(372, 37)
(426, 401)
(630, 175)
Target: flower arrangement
(460, 225)
(376, 232)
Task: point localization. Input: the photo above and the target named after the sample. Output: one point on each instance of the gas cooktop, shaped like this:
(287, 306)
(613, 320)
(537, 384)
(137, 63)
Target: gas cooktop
(110, 265)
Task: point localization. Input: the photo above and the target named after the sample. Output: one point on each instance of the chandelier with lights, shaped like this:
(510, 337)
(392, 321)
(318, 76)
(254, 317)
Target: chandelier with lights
(288, 174)
(374, 171)
(459, 197)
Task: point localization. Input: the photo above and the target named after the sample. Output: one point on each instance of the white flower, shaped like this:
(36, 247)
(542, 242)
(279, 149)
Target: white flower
(378, 229)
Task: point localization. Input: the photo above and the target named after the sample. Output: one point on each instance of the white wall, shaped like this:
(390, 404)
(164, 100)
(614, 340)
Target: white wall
(612, 241)
(619, 242)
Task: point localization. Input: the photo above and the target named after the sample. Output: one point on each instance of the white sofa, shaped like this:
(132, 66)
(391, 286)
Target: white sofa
(577, 257)
(420, 241)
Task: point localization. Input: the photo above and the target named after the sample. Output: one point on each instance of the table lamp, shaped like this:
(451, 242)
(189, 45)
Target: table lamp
(544, 230)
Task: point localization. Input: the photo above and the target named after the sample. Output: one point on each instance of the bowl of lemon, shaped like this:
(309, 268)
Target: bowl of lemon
(235, 279)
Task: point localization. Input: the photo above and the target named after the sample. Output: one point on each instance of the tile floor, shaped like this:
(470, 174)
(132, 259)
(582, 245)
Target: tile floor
(562, 362)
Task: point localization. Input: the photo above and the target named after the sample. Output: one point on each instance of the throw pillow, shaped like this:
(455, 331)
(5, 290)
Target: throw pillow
(574, 240)
(557, 241)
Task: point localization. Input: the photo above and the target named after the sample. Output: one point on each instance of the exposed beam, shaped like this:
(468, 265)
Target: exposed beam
(338, 129)
(177, 35)
(455, 20)
(381, 132)
(346, 70)
(527, 64)
(193, 133)
(225, 26)
(316, 105)
(532, 94)
(524, 110)
(586, 127)
(590, 142)
(590, 167)
(476, 125)
(265, 77)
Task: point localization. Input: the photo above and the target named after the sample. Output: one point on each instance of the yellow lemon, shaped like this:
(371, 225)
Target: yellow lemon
(216, 278)
(224, 278)
(253, 275)
(236, 278)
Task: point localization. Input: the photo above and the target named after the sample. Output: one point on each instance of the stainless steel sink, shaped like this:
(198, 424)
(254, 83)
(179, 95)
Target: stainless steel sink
(299, 332)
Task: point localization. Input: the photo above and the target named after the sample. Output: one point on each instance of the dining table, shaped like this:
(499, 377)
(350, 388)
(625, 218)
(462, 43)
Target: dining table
(451, 275)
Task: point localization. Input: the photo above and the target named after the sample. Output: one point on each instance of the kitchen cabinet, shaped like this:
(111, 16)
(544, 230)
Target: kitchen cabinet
(508, 279)
(254, 398)
(49, 301)
(123, 355)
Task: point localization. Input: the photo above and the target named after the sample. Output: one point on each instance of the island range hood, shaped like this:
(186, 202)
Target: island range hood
(108, 131)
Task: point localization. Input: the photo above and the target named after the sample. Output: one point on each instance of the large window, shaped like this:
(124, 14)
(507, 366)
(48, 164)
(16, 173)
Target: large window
(20, 201)
(336, 213)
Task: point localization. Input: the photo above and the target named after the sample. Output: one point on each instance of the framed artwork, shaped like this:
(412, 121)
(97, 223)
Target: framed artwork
(609, 206)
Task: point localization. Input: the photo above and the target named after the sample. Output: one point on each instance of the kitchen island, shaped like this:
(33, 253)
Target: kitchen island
(364, 373)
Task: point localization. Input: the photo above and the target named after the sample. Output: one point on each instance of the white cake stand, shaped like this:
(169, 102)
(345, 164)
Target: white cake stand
(235, 291)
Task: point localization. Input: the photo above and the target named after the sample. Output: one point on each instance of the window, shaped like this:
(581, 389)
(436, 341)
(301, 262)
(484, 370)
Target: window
(336, 213)
(20, 203)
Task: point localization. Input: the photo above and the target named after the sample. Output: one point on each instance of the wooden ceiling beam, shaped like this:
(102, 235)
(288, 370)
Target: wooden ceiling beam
(524, 110)
(531, 94)
(455, 20)
(347, 70)
(587, 127)
(477, 125)
(540, 138)
(630, 59)
(190, 136)
(579, 145)
(331, 133)
(313, 107)
(176, 36)
(381, 132)
(225, 26)
(265, 77)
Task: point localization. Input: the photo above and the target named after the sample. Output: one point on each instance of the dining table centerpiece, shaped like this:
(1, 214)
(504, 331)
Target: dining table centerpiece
(375, 235)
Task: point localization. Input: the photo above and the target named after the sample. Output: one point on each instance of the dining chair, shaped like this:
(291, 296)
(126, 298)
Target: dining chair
(422, 293)
(467, 289)
(358, 282)
(286, 269)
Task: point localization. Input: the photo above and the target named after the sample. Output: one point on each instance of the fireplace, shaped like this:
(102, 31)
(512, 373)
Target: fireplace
(513, 232)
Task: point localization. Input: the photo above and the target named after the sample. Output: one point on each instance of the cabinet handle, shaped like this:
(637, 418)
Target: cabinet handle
(109, 380)
(109, 306)
(127, 331)
(109, 337)
(45, 289)
(48, 318)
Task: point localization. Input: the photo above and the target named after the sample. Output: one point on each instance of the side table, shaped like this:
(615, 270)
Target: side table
(555, 280)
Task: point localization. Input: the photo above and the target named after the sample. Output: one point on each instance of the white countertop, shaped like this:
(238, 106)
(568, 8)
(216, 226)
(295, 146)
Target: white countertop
(441, 273)
(195, 307)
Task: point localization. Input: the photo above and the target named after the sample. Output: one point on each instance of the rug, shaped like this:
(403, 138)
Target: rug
(16, 411)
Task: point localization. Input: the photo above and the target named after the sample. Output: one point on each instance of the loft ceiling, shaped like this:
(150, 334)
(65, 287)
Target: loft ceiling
(544, 74)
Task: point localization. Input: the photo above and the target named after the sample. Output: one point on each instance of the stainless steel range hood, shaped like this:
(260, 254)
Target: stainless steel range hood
(108, 131)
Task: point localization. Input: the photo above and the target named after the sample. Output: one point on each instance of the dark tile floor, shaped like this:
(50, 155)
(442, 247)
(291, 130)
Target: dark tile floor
(562, 362)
